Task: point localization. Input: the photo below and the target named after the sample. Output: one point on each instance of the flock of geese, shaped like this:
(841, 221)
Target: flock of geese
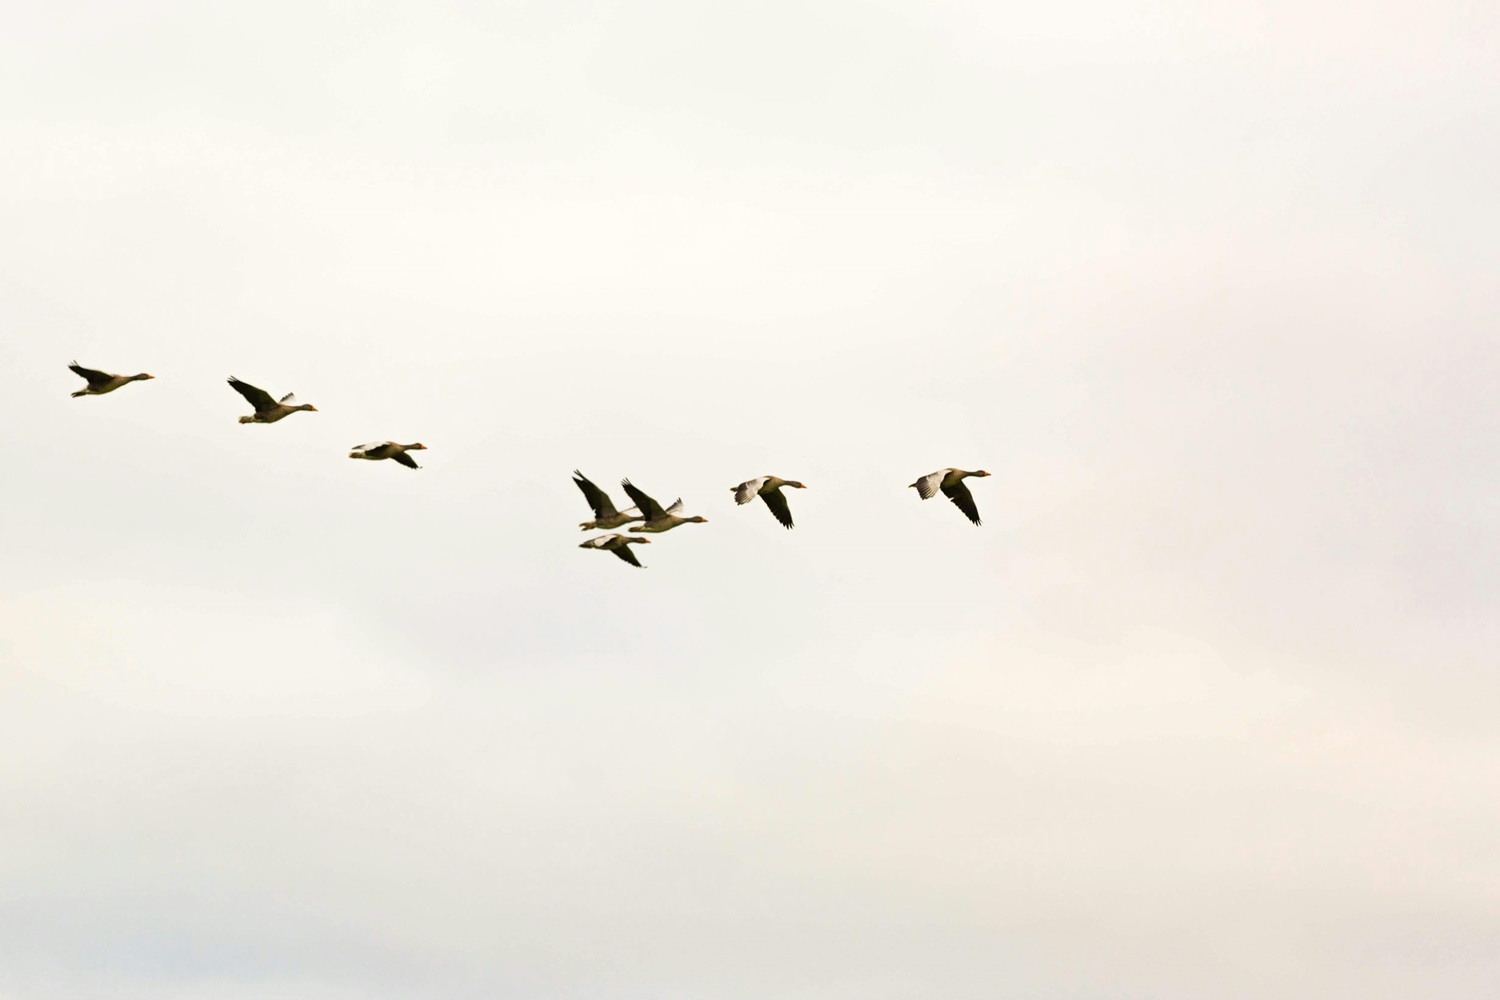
(653, 518)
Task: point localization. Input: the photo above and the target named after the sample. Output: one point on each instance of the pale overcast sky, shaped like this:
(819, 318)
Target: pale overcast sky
(1204, 711)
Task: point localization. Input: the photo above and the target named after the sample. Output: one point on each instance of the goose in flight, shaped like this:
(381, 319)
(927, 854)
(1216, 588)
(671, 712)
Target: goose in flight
(376, 450)
(267, 410)
(101, 382)
(605, 515)
(951, 482)
(657, 519)
(768, 488)
(619, 545)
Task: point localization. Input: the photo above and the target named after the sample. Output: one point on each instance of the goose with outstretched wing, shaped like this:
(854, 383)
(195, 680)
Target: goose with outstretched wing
(619, 545)
(657, 519)
(768, 488)
(605, 515)
(101, 382)
(377, 450)
(267, 410)
(950, 482)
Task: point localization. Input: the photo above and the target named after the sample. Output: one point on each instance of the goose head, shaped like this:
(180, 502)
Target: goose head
(141, 376)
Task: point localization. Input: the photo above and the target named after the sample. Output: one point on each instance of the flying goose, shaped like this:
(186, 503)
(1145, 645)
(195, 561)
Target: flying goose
(619, 545)
(768, 488)
(101, 382)
(657, 519)
(267, 410)
(605, 515)
(950, 481)
(377, 450)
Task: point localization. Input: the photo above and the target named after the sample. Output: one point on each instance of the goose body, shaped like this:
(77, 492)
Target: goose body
(376, 450)
(657, 519)
(267, 410)
(618, 544)
(768, 488)
(101, 382)
(951, 483)
(605, 515)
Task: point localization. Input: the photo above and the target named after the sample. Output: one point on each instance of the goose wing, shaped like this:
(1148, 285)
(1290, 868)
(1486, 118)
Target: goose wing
(624, 553)
(963, 500)
(400, 455)
(602, 506)
(676, 509)
(928, 485)
(650, 508)
(258, 398)
(289, 399)
(94, 378)
(745, 492)
(776, 500)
